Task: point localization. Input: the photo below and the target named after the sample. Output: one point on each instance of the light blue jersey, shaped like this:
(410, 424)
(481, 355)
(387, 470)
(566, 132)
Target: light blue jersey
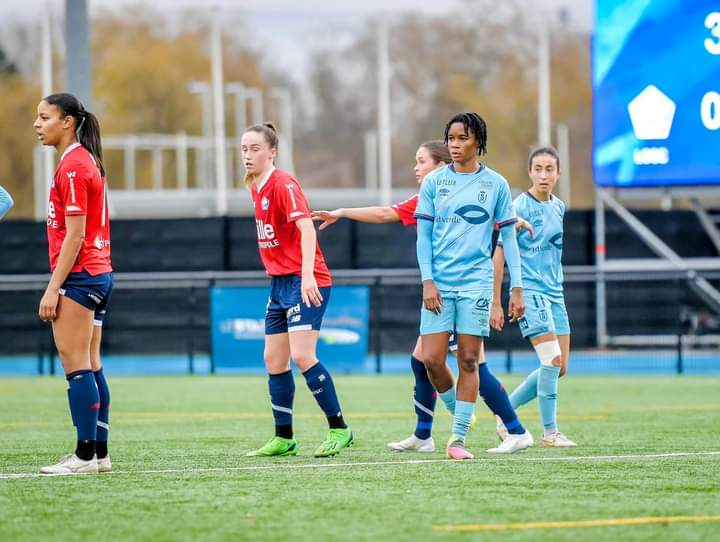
(541, 256)
(463, 209)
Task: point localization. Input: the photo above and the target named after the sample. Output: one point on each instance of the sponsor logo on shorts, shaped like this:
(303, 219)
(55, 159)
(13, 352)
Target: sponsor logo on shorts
(295, 319)
(523, 323)
(293, 311)
(95, 298)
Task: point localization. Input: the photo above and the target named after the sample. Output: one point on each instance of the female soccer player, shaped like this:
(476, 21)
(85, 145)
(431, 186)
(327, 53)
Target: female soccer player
(458, 206)
(429, 156)
(77, 295)
(6, 202)
(545, 322)
(299, 294)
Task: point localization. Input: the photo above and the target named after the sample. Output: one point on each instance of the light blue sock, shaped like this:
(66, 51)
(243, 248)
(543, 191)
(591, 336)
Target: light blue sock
(448, 398)
(527, 391)
(547, 387)
(461, 422)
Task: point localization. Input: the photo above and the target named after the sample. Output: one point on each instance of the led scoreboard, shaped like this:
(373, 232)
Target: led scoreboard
(656, 92)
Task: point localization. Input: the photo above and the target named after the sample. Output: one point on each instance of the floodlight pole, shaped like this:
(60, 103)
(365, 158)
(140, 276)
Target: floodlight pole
(543, 84)
(48, 153)
(219, 115)
(77, 46)
(384, 134)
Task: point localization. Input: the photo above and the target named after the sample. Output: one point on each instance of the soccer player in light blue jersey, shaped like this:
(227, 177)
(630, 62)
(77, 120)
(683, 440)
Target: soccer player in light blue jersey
(545, 322)
(458, 206)
(6, 202)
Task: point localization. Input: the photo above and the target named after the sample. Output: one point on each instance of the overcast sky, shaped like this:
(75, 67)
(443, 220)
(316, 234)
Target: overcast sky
(298, 26)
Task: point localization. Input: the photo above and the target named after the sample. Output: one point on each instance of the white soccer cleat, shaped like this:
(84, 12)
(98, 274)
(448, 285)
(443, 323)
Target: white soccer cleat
(557, 440)
(513, 443)
(104, 464)
(72, 464)
(413, 444)
(500, 429)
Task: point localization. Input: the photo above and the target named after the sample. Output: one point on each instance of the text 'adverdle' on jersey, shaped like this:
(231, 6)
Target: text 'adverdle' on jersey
(656, 92)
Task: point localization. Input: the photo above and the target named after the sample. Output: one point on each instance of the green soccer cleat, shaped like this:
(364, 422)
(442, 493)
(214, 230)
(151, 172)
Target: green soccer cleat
(276, 447)
(336, 440)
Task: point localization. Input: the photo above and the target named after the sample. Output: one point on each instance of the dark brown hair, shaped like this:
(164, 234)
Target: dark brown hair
(539, 151)
(87, 127)
(438, 151)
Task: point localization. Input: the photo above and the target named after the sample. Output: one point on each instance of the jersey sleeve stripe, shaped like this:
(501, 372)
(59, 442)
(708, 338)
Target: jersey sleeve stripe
(507, 222)
(424, 217)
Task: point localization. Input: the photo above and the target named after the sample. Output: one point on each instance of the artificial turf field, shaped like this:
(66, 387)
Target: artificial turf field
(178, 445)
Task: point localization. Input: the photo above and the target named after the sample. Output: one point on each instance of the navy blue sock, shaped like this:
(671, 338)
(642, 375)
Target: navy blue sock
(282, 394)
(425, 398)
(497, 400)
(321, 385)
(84, 402)
(103, 423)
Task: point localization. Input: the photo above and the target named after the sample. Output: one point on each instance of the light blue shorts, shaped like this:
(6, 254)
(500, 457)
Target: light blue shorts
(464, 312)
(543, 315)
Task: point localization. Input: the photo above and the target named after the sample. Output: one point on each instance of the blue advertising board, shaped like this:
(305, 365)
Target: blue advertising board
(237, 317)
(656, 92)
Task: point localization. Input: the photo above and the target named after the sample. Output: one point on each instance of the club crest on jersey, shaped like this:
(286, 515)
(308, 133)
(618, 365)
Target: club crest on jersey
(482, 196)
(264, 203)
(474, 214)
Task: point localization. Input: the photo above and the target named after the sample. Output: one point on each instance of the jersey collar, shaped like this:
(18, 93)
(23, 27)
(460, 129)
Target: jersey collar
(479, 169)
(260, 185)
(533, 197)
(70, 149)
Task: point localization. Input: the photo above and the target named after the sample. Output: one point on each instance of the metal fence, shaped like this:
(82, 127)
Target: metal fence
(656, 322)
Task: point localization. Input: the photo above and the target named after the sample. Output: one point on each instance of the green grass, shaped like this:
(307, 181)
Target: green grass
(187, 424)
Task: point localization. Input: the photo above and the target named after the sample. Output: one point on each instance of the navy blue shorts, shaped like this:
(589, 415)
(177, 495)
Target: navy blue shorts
(90, 291)
(286, 311)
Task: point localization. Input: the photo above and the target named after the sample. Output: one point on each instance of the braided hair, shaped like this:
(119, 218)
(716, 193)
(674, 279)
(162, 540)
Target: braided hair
(473, 123)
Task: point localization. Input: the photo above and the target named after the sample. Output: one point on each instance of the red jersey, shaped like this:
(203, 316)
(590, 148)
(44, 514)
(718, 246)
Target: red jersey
(279, 202)
(78, 189)
(406, 210)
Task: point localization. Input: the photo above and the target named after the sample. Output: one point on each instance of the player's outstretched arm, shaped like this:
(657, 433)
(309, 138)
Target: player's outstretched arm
(369, 215)
(6, 202)
(497, 316)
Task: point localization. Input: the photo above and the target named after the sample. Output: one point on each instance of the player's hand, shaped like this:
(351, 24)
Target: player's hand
(516, 306)
(48, 305)
(328, 218)
(431, 297)
(497, 316)
(310, 291)
(525, 225)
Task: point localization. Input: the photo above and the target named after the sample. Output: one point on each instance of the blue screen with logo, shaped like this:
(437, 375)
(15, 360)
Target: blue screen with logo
(238, 328)
(656, 92)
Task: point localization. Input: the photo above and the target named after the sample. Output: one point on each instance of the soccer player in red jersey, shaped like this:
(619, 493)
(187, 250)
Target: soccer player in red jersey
(77, 295)
(299, 293)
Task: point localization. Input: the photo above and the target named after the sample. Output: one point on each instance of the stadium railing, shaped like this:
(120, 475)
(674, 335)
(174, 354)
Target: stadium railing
(655, 322)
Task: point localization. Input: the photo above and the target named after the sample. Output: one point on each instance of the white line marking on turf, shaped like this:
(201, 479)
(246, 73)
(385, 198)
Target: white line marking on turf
(276, 466)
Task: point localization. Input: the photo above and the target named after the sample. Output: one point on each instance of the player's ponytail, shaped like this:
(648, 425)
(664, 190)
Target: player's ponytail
(270, 134)
(88, 134)
(438, 151)
(87, 127)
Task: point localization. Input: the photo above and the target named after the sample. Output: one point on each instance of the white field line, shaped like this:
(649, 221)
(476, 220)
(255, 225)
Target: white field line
(275, 466)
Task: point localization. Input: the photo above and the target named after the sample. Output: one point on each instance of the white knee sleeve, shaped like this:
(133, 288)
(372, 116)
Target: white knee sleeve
(547, 351)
